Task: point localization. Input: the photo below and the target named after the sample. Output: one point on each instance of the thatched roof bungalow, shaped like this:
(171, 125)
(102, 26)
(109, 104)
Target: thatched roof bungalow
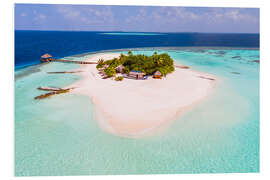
(136, 74)
(157, 75)
(46, 58)
(105, 66)
(120, 69)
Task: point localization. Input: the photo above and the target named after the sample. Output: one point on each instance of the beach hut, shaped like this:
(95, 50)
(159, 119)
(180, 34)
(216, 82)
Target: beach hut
(136, 74)
(120, 69)
(46, 58)
(105, 66)
(103, 74)
(157, 75)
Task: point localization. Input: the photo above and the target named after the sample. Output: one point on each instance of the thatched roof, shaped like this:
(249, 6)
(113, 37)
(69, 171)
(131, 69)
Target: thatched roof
(136, 72)
(120, 67)
(46, 56)
(157, 73)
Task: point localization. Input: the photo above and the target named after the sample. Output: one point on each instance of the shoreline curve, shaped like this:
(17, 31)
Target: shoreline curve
(137, 108)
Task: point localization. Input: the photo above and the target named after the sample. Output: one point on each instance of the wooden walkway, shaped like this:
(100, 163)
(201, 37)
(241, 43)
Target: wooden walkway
(63, 72)
(53, 88)
(182, 67)
(70, 61)
(52, 91)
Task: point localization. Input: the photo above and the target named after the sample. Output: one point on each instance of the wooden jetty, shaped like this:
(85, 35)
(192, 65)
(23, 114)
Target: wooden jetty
(53, 91)
(211, 79)
(48, 58)
(182, 67)
(70, 61)
(64, 72)
(42, 96)
(53, 88)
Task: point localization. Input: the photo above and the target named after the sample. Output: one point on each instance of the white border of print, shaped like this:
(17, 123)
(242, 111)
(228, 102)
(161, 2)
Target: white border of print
(7, 84)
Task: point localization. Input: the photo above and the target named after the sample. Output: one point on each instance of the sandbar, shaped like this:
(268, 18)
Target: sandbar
(135, 108)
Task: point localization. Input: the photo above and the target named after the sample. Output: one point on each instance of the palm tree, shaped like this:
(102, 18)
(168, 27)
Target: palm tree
(160, 61)
(130, 53)
(101, 61)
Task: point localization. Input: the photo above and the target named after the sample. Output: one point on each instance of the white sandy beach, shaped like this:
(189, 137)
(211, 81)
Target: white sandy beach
(134, 108)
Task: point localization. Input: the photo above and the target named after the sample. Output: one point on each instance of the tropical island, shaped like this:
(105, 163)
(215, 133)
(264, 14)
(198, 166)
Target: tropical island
(136, 66)
(136, 108)
(148, 105)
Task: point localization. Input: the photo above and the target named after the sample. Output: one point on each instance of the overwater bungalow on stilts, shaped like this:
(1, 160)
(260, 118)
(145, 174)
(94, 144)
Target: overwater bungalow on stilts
(46, 58)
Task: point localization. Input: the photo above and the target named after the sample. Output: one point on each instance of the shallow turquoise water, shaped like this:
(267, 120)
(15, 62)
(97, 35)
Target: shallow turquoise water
(59, 135)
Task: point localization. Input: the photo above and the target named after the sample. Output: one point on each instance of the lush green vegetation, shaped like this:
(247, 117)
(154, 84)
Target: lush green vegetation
(119, 78)
(146, 64)
(110, 71)
(100, 63)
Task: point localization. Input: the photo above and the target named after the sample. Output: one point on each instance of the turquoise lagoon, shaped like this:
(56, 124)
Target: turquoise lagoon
(59, 135)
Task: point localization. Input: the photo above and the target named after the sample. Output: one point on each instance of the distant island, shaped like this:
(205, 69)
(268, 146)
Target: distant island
(136, 66)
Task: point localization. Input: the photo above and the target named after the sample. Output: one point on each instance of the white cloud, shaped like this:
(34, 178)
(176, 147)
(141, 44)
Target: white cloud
(181, 14)
(40, 17)
(23, 14)
(68, 12)
(86, 14)
(164, 15)
(155, 18)
(191, 19)
(140, 17)
(221, 15)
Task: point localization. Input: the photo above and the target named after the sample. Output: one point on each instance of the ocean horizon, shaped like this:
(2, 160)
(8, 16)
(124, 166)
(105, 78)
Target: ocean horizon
(68, 43)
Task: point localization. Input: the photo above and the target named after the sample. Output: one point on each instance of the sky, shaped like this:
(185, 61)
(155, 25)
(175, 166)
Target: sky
(136, 18)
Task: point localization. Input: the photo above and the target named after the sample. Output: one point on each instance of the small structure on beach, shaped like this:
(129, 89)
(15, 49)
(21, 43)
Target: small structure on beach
(120, 69)
(103, 74)
(46, 58)
(136, 75)
(105, 66)
(157, 75)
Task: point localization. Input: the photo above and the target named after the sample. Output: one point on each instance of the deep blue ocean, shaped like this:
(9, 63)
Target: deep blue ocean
(30, 45)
